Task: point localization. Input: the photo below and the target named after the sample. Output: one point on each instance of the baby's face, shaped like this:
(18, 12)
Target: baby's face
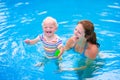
(79, 31)
(49, 28)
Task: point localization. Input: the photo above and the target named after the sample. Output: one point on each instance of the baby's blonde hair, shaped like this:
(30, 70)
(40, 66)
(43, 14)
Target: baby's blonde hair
(50, 18)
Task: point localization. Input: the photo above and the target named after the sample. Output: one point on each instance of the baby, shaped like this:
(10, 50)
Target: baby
(52, 43)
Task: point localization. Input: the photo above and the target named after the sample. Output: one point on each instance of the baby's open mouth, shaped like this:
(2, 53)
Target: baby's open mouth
(48, 31)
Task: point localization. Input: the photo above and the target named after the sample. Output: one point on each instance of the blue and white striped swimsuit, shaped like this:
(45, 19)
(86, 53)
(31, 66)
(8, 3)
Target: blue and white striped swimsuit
(50, 48)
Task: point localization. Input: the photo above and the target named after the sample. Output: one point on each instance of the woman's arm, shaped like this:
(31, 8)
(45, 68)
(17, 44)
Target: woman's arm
(61, 51)
(87, 64)
(69, 44)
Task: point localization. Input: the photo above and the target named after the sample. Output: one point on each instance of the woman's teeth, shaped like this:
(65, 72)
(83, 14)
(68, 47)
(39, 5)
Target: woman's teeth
(77, 37)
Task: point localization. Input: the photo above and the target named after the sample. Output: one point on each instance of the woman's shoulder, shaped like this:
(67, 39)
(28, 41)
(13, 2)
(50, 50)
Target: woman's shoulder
(92, 51)
(92, 47)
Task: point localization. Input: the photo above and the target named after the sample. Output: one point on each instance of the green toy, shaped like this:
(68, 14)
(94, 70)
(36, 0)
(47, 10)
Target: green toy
(57, 52)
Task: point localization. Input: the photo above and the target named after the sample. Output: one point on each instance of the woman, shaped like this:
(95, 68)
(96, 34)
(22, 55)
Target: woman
(84, 42)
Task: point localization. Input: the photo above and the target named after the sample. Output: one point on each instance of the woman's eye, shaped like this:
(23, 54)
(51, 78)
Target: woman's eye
(79, 32)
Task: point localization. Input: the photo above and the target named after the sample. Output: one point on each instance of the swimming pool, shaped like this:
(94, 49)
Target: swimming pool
(21, 19)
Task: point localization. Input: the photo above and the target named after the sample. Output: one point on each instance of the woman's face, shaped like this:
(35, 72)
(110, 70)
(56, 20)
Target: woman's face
(49, 28)
(79, 31)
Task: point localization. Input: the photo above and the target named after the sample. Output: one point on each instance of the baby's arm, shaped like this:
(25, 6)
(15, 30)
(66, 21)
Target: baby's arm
(69, 44)
(33, 41)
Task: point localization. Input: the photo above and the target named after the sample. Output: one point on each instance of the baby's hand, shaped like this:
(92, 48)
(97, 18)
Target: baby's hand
(27, 41)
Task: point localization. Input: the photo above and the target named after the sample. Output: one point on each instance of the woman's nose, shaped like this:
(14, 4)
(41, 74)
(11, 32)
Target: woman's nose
(75, 32)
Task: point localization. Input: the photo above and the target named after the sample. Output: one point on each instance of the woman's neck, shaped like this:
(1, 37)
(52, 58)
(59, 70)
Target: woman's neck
(81, 42)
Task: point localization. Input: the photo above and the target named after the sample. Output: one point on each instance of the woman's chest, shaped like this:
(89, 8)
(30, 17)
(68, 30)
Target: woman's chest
(78, 48)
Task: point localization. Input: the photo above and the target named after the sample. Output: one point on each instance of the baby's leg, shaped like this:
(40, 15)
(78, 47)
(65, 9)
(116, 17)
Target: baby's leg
(39, 64)
(58, 62)
(42, 62)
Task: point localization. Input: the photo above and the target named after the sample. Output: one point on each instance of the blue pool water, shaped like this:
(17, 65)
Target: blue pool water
(21, 19)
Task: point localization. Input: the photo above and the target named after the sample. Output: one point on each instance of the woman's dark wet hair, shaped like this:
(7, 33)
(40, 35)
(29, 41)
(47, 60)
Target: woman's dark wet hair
(90, 35)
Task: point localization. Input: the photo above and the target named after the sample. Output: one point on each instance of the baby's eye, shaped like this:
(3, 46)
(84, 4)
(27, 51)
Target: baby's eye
(45, 27)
